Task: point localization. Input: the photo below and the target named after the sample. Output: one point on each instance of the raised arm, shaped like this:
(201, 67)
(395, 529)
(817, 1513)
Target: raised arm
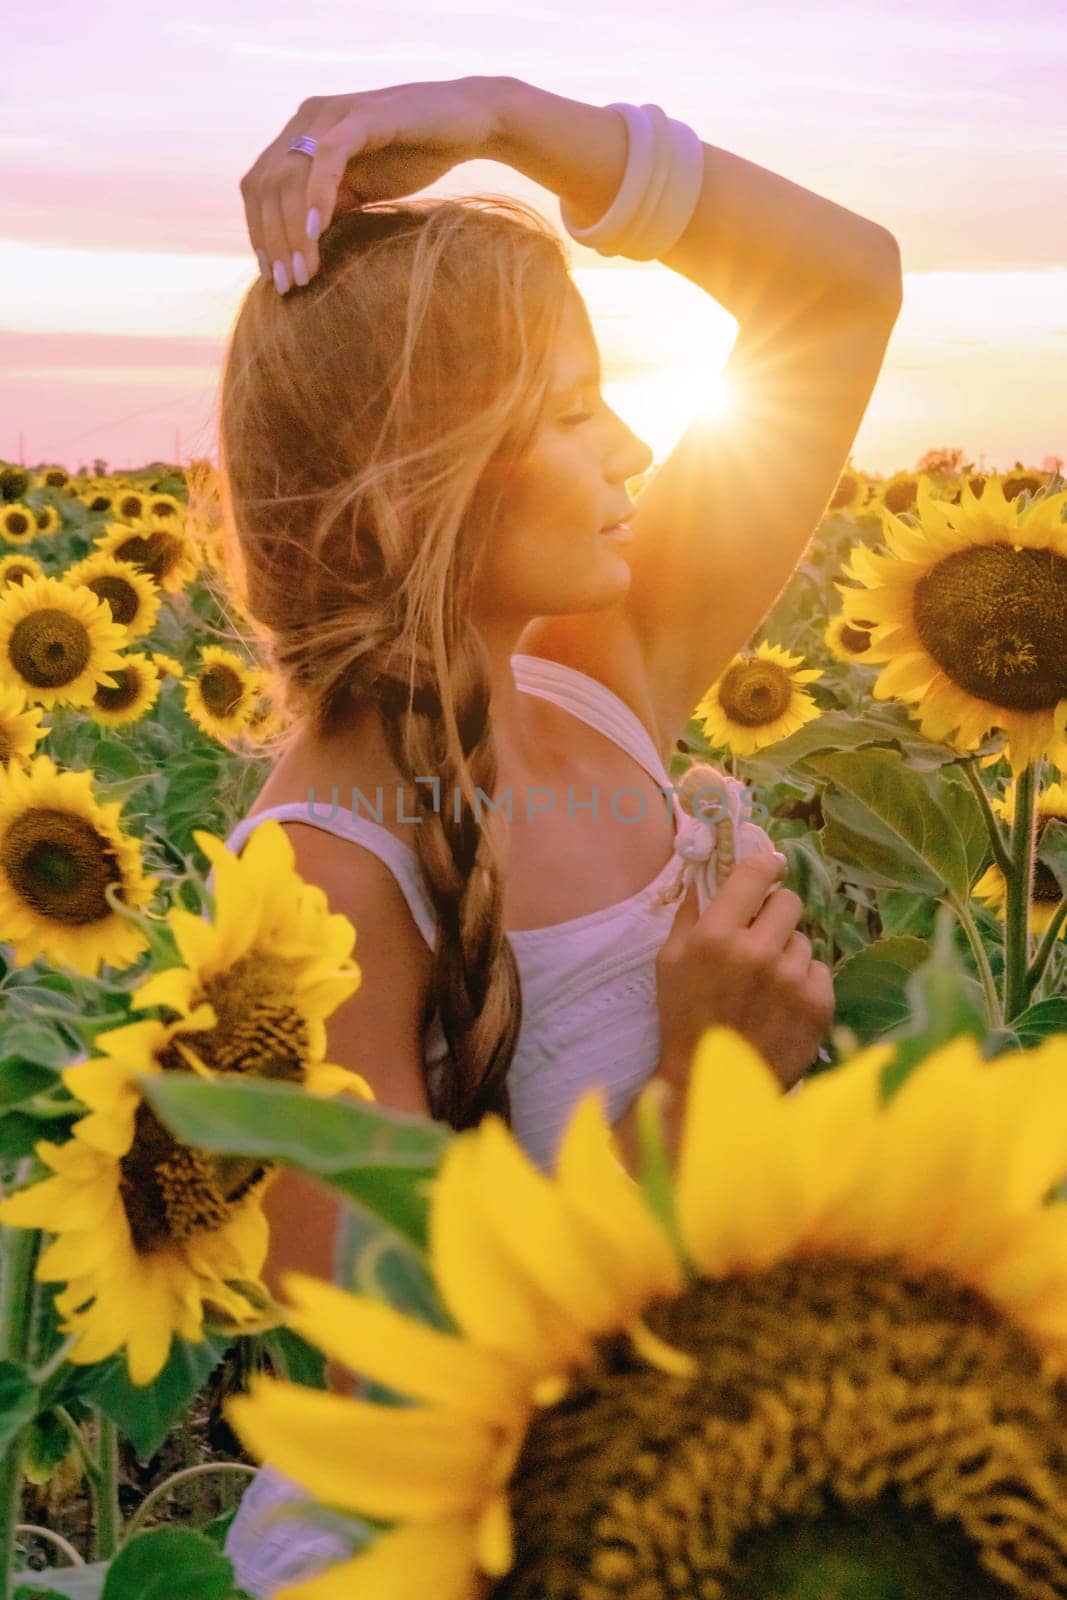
(816, 290)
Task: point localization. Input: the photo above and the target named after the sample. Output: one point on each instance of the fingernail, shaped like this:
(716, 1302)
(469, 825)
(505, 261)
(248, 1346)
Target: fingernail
(281, 277)
(783, 861)
(300, 271)
(264, 264)
(313, 226)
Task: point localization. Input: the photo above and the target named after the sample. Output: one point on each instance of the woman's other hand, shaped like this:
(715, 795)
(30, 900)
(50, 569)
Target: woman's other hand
(742, 964)
(376, 145)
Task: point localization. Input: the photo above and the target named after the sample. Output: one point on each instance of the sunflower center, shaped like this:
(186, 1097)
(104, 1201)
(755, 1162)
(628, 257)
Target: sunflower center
(130, 505)
(992, 617)
(833, 1399)
(855, 639)
(17, 524)
(259, 1031)
(222, 689)
(49, 648)
(120, 596)
(7, 744)
(755, 692)
(171, 1192)
(127, 684)
(901, 496)
(15, 573)
(157, 552)
(59, 865)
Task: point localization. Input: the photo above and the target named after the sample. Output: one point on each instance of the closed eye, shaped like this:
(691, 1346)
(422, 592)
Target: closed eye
(582, 416)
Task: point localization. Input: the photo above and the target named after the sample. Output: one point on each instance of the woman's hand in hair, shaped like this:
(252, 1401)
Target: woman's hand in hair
(376, 145)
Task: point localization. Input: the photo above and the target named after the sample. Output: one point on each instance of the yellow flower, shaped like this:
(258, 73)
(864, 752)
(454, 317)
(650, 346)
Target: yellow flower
(96, 495)
(17, 568)
(135, 693)
(271, 968)
(220, 697)
(858, 1307)
(166, 666)
(48, 519)
(850, 494)
(56, 642)
(757, 701)
(897, 493)
(152, 1236)
(130, 592)
(18, 524)
(60, 850)
(848, 641)
(21, 730)
(52, 478)
(969, 611)
(158, 545)
(1046, 893)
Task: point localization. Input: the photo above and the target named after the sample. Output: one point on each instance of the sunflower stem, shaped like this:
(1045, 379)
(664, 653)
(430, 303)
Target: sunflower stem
(19, 1248)
(108, 1531)
(1036, 970)
(1001, 853)
(1020, 879)
(994, 1009)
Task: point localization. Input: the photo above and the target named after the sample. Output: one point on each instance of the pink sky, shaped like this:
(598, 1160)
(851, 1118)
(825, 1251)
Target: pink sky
(941, 122)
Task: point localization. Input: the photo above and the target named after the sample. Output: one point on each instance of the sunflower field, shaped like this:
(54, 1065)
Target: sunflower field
(818, 1349)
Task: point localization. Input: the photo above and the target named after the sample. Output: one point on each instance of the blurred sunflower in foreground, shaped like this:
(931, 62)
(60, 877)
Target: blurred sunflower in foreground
(154, 1237)
(1046, 893)
(970, 612)
(827, 1358)
(757, 701)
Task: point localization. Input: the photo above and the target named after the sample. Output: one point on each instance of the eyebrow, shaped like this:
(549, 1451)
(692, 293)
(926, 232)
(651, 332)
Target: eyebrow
(588, 379)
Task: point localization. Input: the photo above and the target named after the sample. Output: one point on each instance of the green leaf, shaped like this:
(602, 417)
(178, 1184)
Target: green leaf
(36, 1042)
(19, 1133)
(169, 1564)
(870, 988)
(18, 1401)
(904, 912)
(934, 822)
(1030, 1027)
(20, 1080)
(145, 1415)
(383, 1159)
(1052, 850)
(47, 1444)
(867, 851)
(944, 1001)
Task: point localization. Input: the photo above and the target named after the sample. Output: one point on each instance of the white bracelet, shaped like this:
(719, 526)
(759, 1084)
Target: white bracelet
(659, 190)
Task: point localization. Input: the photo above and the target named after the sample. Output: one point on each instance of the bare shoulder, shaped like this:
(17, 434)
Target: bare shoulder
(378, 1032)
(603, 645)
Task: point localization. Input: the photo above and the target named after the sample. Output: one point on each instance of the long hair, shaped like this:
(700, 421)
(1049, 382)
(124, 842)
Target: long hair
(369, 425)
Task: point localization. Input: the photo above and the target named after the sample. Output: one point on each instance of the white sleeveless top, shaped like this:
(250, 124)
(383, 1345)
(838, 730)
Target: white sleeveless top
(589, 1017)
(588, 985)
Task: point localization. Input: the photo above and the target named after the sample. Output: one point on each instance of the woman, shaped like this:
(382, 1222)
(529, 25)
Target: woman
(423, 478)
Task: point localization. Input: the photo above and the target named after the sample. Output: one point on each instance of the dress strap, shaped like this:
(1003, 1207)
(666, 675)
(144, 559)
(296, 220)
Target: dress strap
(592, 702)
(400, 858)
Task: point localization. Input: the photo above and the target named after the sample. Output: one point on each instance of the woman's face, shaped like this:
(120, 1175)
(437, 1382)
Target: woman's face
(549, 556)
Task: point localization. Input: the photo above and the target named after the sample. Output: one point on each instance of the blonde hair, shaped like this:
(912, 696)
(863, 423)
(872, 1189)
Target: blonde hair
(369, 426)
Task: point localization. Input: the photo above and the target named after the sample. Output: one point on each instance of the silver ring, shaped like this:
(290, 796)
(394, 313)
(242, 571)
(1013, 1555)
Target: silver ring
(304, 143)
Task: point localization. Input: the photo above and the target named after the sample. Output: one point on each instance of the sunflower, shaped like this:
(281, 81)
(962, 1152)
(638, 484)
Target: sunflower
(130, 504)
(167, 507)
(153, 1237)
(836, 1351)
(971, 615)
(848, 641)
(221, 695)
(14, 482)
(272, 967)
(20, 725)
(53, 478)
(1016, 483)
(60, 850)
(97, 497)
(57, 642)
(1046, 893)
(48, 519)
(756, 701)
(157, 546)
(135, 693)
(130, 592)
(18, 524)
(16, 569)
(897, 493)
(166, 666)
(850, 493)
